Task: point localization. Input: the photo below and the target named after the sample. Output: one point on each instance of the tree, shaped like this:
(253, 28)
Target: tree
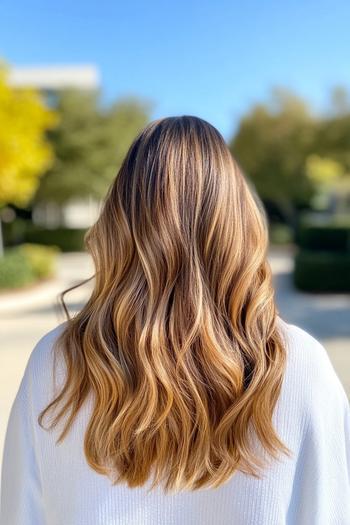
(90, 144)
(271, 145)
(333, 184)
(25, 152)
(329, 165)
(333, 138)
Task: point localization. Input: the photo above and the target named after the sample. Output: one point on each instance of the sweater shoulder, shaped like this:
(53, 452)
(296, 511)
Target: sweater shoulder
(302, 348)
(43, 373)
(42, 352)
(309, 367)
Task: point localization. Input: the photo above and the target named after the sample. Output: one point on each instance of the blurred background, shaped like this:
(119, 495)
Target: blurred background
(79, 79)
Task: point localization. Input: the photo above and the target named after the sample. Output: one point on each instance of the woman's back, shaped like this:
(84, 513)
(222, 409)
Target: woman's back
(312, 417)
(177, 374)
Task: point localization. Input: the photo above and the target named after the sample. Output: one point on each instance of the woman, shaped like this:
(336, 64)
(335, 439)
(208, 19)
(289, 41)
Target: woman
(177, 395)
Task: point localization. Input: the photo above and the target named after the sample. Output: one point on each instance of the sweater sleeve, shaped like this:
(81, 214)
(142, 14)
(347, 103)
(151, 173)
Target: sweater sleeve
(21, 490)
(321, 494)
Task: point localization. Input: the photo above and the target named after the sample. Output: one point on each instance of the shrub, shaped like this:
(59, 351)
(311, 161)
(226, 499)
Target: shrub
(332, 238)
(322, 271)
(26, 264)
(334, 235)
(323, 261)
(66, 239)
(15, 269)
(41, 258)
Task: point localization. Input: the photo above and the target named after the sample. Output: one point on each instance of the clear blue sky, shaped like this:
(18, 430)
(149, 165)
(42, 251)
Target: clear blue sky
(209, 58)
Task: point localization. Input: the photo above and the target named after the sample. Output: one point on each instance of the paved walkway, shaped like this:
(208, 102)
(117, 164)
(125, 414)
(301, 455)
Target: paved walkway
(26, 316)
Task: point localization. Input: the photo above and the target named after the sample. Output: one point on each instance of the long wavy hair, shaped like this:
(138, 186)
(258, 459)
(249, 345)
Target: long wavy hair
(179, 341)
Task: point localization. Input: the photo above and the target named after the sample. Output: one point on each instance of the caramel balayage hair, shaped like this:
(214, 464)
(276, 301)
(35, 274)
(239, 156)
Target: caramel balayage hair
(179, 341)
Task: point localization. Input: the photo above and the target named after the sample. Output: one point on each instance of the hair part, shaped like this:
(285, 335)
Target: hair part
(178, 342)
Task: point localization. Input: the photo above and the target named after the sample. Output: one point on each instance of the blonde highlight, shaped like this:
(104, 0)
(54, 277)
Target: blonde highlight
(178, 342)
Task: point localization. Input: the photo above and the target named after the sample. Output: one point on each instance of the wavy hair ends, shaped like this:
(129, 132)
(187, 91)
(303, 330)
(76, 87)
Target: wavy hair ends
(179, 342)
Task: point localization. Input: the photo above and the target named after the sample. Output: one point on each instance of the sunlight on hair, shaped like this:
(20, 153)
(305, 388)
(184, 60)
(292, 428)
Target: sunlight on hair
(178, 342)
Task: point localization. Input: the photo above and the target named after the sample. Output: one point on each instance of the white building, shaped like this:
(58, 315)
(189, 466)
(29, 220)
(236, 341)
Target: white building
(55, 77)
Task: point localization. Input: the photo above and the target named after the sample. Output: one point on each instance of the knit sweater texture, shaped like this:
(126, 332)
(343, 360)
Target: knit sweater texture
(44, 483)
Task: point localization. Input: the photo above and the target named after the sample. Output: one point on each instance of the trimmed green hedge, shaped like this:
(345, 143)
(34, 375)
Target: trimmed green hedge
(323, 261)
(67, 240)
(322, 271)
(26, 264)
(324, 237)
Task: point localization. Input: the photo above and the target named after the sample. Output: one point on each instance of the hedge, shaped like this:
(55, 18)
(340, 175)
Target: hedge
(66, 239)
(324, 238)
(15, 270)
(322, 271)
(26, 264)
(332, 236)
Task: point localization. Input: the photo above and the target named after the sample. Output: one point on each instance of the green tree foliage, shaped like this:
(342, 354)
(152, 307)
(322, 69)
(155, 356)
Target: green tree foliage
(330, 165)
(271, 145)
(89, 143)
(333, 139)
(290, 154)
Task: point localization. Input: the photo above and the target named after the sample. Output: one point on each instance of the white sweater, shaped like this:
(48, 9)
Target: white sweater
(47, 484)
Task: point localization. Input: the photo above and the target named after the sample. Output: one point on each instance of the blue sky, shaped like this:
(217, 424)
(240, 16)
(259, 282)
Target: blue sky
(213, 58)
